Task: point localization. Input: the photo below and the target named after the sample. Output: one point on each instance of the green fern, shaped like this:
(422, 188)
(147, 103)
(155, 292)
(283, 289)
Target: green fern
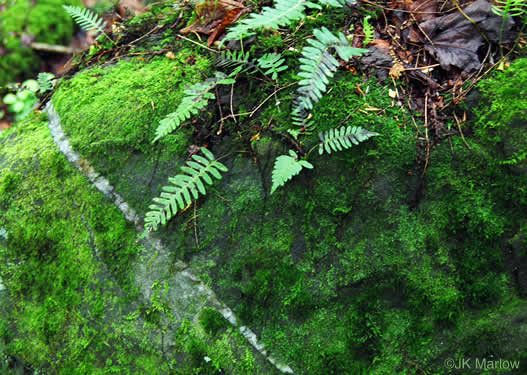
(369, 33)
(283, 13)
(235, 59)
(184, 188)
(510, 8)
(196, 98)
(286, 167)
(343, 138)
(45, 82)
(317, 66)
(86, 19)
(273, 63)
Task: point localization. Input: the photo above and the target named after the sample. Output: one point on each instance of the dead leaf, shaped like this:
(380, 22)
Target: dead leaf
(211, 14)
(231, 17)
(423, 10)
(4, 125)
(396, 70)
(454, 41)
(170, 55)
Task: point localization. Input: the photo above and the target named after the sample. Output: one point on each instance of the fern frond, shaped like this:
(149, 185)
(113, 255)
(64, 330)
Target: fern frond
(283, 13)
(45, 81)
(234, 59)
(85, 18)
(185, 187)
(286, 167)
(273, 63)
(318, 65)
(343, 138)
(369, 33)
(196, 98)
(509, 8)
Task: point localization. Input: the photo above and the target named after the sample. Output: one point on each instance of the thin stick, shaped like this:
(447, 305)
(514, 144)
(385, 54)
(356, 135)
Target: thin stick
(426, 135)
(198, 44)
(53, 48)
(460, 132)
(195, 225)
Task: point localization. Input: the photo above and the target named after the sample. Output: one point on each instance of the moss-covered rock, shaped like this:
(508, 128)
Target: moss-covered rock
(366, 264)
(42, 21)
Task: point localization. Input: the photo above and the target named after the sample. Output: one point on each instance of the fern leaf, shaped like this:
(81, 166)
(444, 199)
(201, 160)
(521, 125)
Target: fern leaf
(196, 98)
(286, 167)
(85, 18)
(273, 63)
(318, 65)
(184, 188)
(283, 13)
(235, 59)
(369, 33)
(343, 138)
(45, 81)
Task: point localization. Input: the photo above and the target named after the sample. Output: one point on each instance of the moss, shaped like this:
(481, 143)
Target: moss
(111, 114)
(67, 310)
(502, 116)
(44, 22)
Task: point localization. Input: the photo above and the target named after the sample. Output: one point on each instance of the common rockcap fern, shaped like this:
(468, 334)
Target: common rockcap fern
(184, 188)
(196, 98)
(318, 65)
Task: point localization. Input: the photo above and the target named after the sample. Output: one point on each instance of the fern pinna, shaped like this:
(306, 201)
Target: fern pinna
(196, 98)
(343, 138)
(317, 66)
(286, 167)
(283, 13)
(86, 19)
(177, 196)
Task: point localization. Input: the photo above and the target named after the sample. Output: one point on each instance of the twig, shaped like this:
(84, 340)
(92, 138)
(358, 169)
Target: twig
(198, 44)
(232, 111)
(221, 112)
(145, 35)
(53, 48)
(426, 135)
(251, 113)
(460, 132)
(195, 225)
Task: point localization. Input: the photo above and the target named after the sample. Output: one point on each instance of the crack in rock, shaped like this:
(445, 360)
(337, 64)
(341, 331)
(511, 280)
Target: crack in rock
(187, 294)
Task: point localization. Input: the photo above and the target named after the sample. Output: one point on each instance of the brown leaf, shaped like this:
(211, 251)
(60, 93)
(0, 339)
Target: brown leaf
(212, 14)
(231, 17)
(454, 41)
(423, 10)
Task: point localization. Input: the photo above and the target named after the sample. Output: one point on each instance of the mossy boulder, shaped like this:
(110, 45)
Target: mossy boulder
(366, 264)
(24, 21)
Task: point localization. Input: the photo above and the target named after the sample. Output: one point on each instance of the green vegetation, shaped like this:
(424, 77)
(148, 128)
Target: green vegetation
(44, 21)
(370, 263)
(86, 19)
(176, 197)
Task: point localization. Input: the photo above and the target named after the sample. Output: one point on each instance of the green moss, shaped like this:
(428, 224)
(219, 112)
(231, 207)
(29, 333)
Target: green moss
(45, 22)
(502, 116)
(67, 310)
(111, 115)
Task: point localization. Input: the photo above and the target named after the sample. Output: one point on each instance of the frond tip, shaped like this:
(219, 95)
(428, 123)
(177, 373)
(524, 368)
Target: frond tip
(286, 167)
(343, 138)
(85, 18)
(185, 187)
(196, 98)
(318, 65)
